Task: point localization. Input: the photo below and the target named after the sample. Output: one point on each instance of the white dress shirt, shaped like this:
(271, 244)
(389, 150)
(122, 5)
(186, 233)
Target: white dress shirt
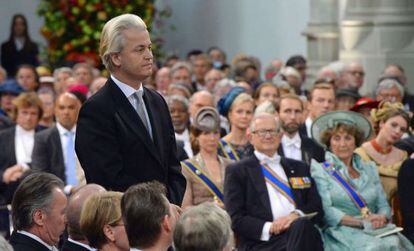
(185, 137)
(279, 204)
(308, 124)
(19, 43)
(291, 146)
(36, 238)
(23, 142)
(129, 92)
(81, 244)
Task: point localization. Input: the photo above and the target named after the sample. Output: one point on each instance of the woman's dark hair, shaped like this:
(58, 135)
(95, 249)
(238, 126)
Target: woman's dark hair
(350, 129)
(194, 134)
(25, 33)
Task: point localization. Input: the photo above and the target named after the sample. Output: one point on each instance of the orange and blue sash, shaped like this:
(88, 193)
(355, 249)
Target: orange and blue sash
(278, 183)
(204, 179)
(228, 151)
(352, 193)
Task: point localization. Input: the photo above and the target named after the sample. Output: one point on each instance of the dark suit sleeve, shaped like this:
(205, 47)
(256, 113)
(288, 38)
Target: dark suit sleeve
(405, 192)
(176, 181)
(235, 202)
(98, 149)
(40, 158)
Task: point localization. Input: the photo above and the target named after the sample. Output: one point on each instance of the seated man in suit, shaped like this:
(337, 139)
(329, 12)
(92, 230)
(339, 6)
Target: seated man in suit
(54, 148)
(38, 213)
(76, 240)
(293, 145)
(266, 195)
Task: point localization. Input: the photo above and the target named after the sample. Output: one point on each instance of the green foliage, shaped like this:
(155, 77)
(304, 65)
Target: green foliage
(73, 27)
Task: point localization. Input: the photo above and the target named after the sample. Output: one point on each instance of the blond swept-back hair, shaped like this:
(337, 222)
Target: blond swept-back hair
(112, 39)
(99, 210)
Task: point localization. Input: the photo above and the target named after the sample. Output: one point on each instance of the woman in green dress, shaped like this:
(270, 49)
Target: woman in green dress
(354, 202)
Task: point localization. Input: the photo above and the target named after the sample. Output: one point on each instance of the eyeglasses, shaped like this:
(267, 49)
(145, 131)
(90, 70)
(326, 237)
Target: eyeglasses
(263, 133)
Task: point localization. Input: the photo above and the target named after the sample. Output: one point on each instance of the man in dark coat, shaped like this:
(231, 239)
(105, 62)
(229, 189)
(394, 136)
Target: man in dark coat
(124, 134)
(269, 198)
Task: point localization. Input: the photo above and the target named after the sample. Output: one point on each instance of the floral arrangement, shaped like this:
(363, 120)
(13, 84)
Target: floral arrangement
(73, 27)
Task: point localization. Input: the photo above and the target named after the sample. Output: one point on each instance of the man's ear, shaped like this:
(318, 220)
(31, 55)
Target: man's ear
(39, 217)
(116, 59)
(109, 233)
(249, 134)
(166, 224)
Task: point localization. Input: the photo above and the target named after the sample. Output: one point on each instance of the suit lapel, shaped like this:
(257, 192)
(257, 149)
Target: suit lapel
(12, 151)
(154, 116)
(304, 148)
(255, 173)
(290, 171)
(131, 118)
(280, 150)
(57, 144)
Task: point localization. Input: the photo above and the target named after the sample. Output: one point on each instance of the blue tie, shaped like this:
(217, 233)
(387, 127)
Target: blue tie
(70, 161)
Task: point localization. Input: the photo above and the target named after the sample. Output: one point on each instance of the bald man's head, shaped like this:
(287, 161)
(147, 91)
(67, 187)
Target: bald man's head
(198, 100)
(74, 209)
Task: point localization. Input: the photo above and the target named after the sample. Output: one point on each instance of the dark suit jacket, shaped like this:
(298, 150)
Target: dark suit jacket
(7, 159)
(247, 200)
(303, 132)
(11, 58)
(310, 150)
(22, 242)
(115, 149)
(70, 246)
(406, 144)
(405, 192)
(47, 155)
(181, 154)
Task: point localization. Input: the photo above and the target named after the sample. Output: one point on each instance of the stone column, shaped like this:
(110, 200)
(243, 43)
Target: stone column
(376, 33)
(322, 36)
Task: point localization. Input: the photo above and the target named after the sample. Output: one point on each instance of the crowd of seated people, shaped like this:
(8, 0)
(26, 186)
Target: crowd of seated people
(266, 156)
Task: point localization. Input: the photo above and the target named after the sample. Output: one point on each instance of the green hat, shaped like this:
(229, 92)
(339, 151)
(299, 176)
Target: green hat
(332, 119)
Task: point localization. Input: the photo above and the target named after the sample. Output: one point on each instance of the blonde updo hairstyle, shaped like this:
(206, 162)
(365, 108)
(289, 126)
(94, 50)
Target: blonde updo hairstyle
(387, 110)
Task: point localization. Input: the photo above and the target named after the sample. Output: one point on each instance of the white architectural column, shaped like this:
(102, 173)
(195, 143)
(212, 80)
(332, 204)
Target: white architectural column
(376, 33)
(322, 35)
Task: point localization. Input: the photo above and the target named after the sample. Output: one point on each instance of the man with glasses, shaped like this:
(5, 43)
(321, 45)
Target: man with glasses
(267, 195)
(353, 76)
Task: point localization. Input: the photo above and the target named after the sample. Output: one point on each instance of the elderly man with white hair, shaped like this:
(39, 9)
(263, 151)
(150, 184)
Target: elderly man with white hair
(266, 195)
(205, 227)
(389, 90)
(293, 77)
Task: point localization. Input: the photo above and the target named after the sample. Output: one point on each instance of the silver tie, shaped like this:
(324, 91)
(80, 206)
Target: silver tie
(139, 107)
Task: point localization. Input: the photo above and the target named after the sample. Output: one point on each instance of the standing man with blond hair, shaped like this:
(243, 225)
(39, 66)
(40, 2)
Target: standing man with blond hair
(125, 135)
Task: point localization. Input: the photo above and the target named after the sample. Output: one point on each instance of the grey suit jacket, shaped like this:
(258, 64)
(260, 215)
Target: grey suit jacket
(47, 155)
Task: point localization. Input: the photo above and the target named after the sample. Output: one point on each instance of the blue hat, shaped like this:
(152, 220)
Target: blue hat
(225, 102)
(11, 86)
